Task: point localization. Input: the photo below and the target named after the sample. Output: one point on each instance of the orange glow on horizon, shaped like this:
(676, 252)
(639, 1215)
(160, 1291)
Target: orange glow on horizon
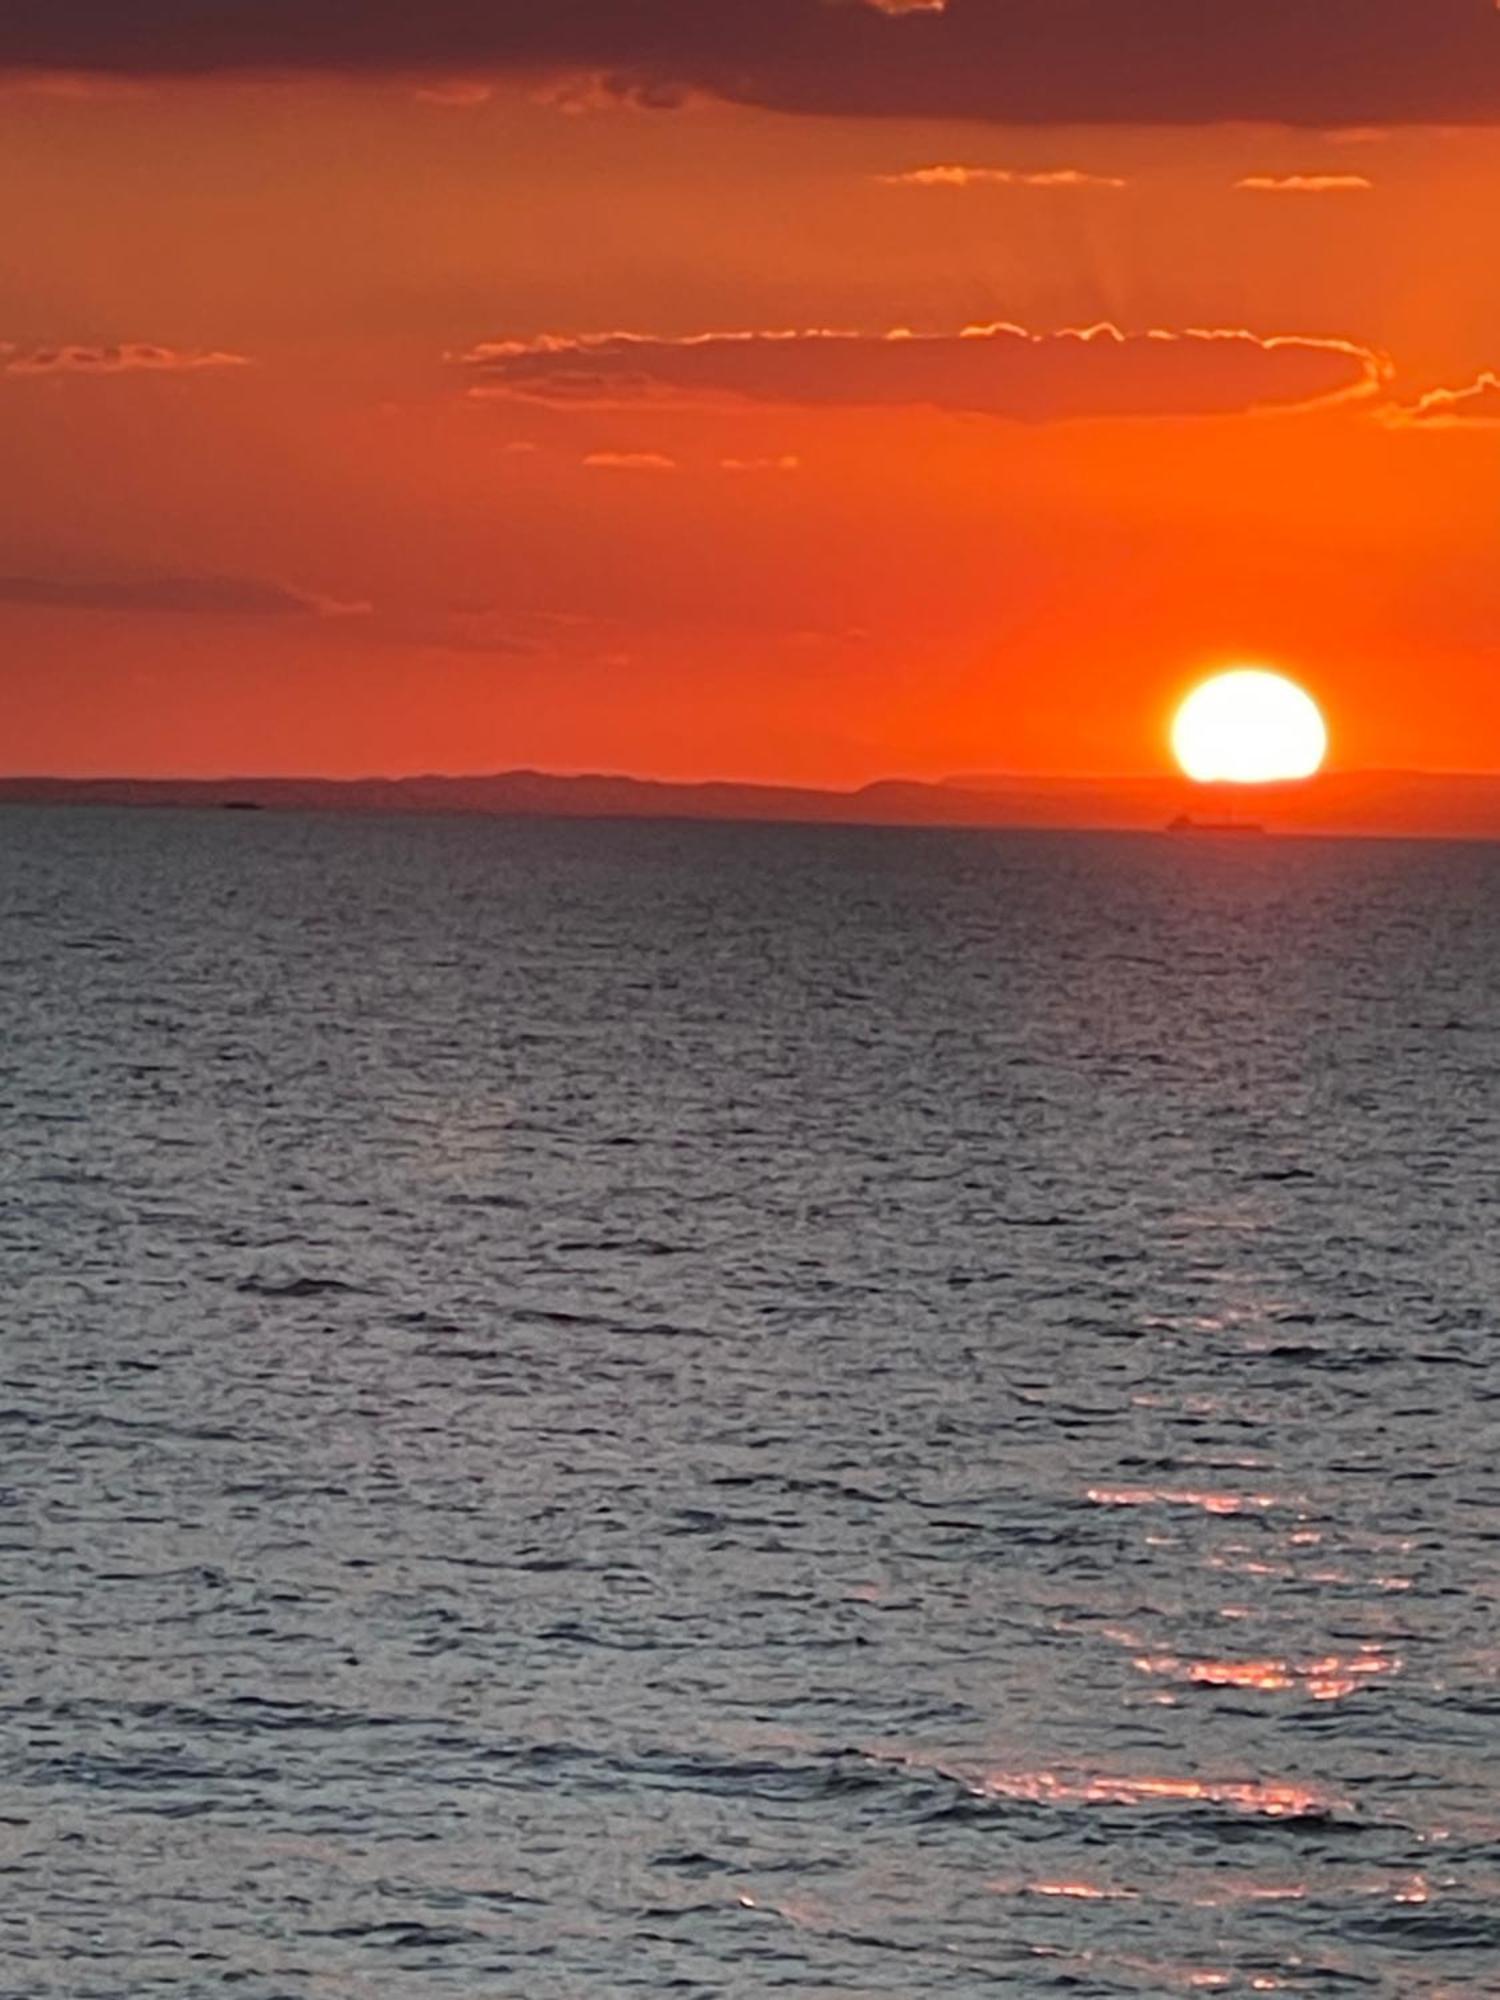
(256, 523)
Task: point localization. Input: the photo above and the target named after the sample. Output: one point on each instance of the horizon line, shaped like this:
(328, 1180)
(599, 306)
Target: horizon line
(585, 774)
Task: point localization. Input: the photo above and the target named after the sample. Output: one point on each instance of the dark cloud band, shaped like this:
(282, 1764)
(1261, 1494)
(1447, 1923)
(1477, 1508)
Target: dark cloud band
(1335, 62)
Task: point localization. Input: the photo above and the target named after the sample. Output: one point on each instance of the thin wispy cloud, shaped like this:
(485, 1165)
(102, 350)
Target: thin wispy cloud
(1304, 184)
(461, 94)
(70, 86)
(629, 461)
(226, 596)
(1061, 179)
(129, 358)
(1473, 408)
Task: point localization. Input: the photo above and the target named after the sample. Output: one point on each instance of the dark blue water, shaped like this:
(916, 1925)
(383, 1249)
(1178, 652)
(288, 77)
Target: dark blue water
(593, 1410)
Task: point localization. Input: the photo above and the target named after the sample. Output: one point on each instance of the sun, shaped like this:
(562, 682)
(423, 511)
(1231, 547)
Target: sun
(1249, 727)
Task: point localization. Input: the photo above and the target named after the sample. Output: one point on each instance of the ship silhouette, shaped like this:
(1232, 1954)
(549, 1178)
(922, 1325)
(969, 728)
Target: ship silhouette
(1185, 823)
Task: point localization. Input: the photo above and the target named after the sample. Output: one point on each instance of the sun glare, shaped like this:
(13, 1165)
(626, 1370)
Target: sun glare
(1249, 727)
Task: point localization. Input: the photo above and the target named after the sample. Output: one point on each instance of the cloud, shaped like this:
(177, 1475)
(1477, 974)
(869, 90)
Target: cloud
(457, 94)
(1332, 63)
(484, 632)
(1477, 407)
(227, 596)
(68, 87)
(963, 177)
(135, 357)
(629, 461)
(1304, 184)
(787, 462)
(996, 371)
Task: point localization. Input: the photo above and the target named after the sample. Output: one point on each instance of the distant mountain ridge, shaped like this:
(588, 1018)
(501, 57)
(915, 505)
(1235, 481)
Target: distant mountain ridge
(1434, 804)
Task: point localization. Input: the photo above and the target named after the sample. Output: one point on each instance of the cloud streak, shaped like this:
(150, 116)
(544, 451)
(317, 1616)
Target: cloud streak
(1304, 184)
(629, 461)
(1001, 371)
(130, 358)
(1339, 62)
(224, 596)
(1475, 408)
(1059, 178)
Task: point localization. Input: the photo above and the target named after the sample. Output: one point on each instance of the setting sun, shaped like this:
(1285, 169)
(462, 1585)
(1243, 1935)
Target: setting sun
(1249, 727)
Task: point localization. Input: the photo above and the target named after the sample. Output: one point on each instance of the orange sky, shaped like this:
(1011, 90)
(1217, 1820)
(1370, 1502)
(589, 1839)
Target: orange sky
(288, 486)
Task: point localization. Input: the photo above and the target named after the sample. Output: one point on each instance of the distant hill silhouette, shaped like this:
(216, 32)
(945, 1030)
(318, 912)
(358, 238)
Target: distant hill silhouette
(1354, 802)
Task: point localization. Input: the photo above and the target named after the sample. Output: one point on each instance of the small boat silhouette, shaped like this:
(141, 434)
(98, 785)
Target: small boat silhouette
(1184, 823)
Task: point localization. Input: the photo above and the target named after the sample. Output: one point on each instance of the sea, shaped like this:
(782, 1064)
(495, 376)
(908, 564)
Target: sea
(604, 1409)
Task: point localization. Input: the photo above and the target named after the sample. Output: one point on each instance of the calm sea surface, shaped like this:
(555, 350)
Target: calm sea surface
(625, 1409)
